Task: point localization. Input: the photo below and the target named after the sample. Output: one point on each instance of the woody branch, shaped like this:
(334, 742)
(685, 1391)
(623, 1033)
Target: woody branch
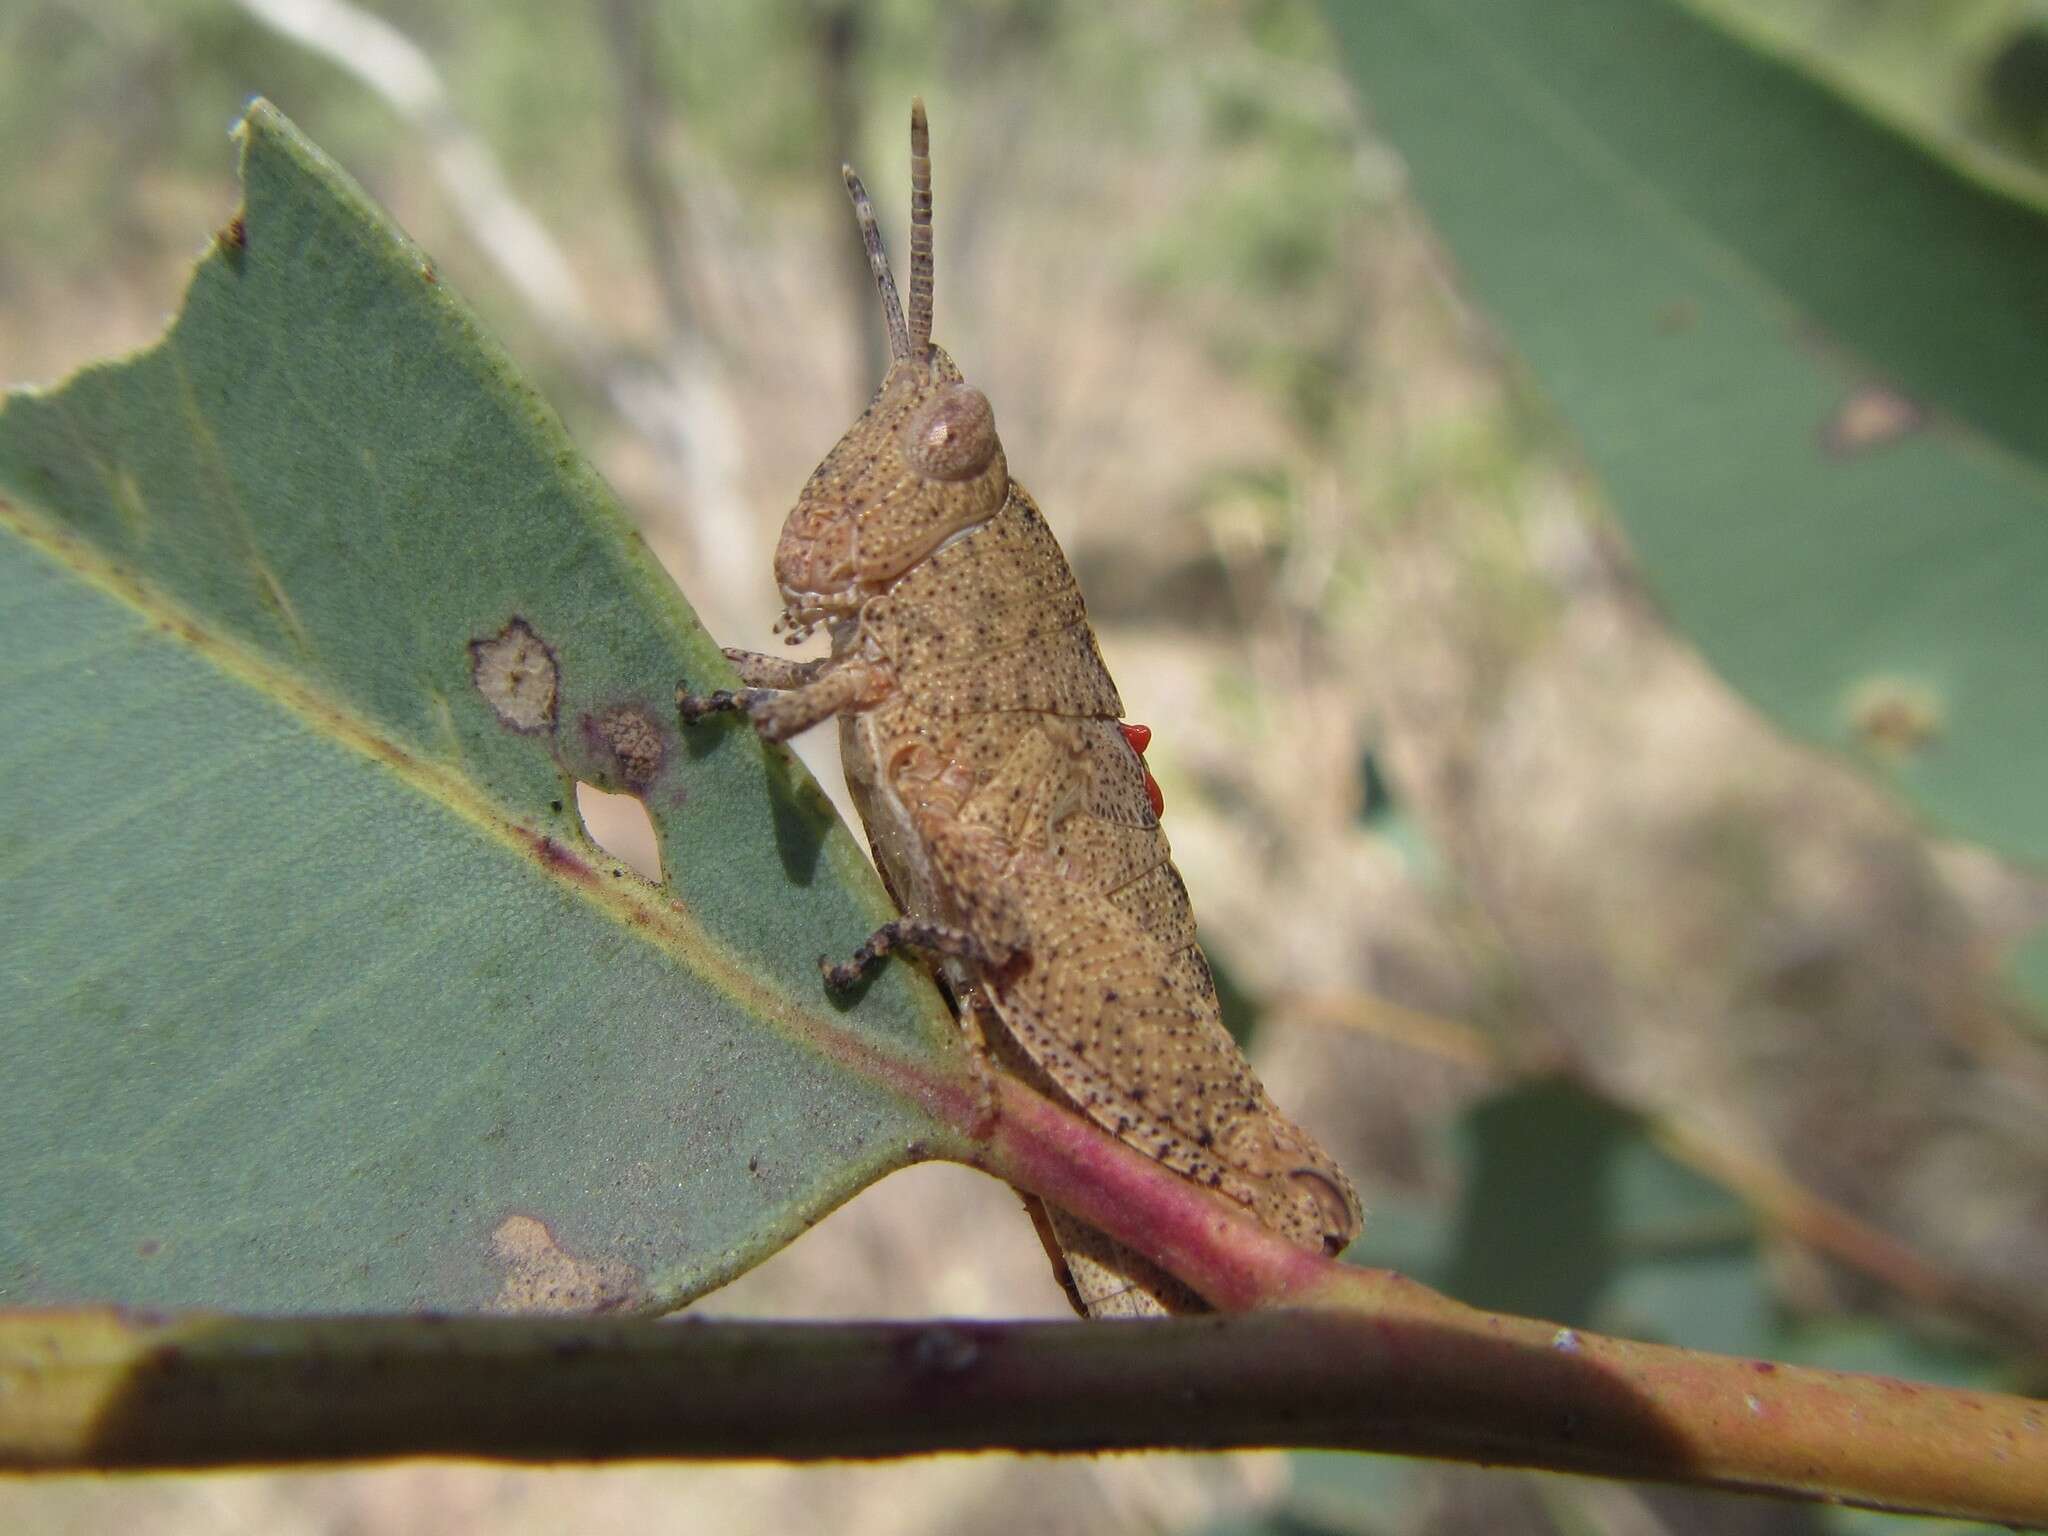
(1382, 1366)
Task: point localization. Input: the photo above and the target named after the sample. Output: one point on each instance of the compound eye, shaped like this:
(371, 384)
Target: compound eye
(954, 437)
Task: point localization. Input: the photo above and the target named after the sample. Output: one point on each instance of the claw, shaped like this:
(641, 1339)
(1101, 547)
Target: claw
(693, 707)
(841, 976)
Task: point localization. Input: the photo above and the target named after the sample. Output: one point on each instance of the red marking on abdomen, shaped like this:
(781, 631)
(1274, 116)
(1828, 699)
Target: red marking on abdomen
(1140, 737)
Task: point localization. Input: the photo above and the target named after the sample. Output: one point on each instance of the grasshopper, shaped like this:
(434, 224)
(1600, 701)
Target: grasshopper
(1011, 815)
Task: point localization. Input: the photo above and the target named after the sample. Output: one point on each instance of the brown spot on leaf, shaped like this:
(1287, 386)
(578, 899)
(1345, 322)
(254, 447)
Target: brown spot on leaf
(232, 241)
(1870, 418)
(634, 742)
(543, 1276)
(1893, 717)
(518, 676)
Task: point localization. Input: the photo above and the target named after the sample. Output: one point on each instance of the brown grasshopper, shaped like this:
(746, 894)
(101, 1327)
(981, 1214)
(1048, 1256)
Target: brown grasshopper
(1011, 815)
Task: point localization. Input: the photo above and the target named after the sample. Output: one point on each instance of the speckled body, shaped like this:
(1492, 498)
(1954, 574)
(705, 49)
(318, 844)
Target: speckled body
(1007, 811)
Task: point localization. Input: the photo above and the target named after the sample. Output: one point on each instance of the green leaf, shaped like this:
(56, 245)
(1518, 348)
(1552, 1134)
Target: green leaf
(1536, 1224)
(314, 993)
(1804, 357)
(1959, 79)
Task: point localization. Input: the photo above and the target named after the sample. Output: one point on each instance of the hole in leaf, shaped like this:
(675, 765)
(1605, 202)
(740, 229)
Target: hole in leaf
(620, 825)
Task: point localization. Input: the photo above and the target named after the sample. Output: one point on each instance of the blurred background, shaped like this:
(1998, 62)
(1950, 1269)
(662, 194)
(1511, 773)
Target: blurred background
(1623, 1007)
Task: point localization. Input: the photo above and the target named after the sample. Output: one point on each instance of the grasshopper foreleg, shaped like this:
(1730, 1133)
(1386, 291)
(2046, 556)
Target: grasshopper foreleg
(820, 690)
(758, 671)
(906, 933)
(695, 706)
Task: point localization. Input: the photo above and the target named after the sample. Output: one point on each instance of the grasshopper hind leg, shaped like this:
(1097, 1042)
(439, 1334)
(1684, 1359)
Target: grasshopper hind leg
(1102, 1278)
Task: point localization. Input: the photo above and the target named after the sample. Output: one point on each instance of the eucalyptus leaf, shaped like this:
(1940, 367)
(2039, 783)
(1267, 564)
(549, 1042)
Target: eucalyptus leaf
(314, 993)
(1803, 356)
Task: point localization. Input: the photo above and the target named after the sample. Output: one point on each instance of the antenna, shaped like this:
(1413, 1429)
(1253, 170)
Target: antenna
(920, 230)
(878, 262)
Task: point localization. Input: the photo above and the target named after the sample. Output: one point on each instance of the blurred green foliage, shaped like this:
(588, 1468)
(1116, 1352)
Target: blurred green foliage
(1967, 78)
(1803, 357)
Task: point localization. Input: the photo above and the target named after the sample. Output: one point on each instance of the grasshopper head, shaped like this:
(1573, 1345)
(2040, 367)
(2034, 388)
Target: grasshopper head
(921, 465)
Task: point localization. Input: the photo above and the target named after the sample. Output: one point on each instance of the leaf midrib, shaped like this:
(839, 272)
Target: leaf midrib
(639, 908)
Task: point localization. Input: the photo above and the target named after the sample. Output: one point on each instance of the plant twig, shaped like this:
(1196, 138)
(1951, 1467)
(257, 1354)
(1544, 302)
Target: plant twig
(1396, 1370)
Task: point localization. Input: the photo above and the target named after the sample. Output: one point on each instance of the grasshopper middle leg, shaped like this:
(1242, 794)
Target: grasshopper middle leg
(906, 933)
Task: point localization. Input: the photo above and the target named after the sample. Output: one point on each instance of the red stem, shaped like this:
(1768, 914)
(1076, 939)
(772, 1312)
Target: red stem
(1486, 1387)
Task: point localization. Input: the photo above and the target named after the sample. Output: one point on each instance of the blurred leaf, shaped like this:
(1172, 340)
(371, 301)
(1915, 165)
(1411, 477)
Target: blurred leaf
(1240, 1009)
(1963, 77)
(1712, 1300)
(1411, 1234)
(1354, 1495)
(1536, 1228)
(1871, 1522)
(2015, 90)
(1572, 1212)
(314, 993)
(1376, 803)
(1804, 358)
(2027, 967)
(1865, 1344)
